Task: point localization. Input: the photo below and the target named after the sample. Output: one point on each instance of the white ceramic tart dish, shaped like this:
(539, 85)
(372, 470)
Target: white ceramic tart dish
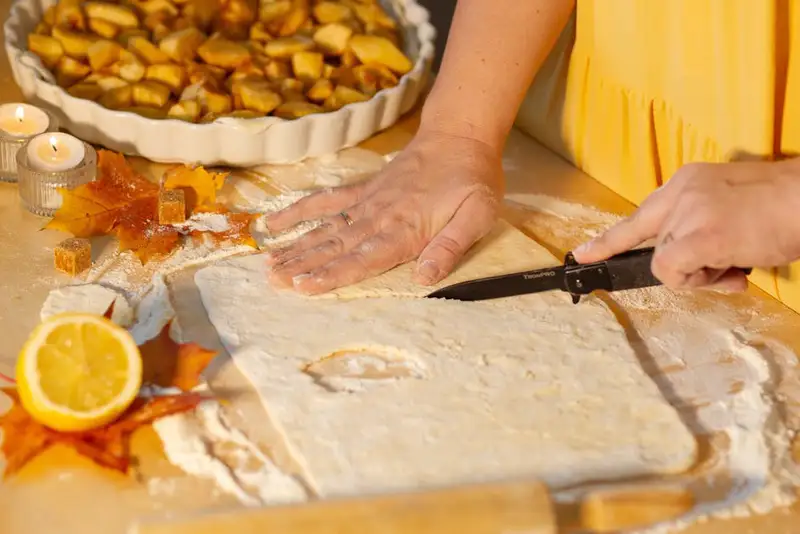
(226, 141)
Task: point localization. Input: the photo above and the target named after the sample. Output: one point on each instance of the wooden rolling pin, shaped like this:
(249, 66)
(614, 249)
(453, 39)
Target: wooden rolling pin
(518, 507)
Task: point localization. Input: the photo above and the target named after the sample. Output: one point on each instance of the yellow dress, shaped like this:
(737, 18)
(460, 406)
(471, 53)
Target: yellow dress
(637, 88)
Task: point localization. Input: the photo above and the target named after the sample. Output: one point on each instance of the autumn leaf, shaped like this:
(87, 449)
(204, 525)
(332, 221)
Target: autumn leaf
(157, 407)
(237, 233)
(122, 203)
(119, 202)
(138, 230)
(169, 364)
(96, 207)
(200, 186)
(108, 446)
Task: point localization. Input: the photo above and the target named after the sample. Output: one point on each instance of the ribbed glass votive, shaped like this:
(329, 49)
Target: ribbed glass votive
(10, 145)
(38, 190)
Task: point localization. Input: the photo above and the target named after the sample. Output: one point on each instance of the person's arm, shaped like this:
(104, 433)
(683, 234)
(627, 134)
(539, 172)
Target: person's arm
(494, 49)
(442, 193)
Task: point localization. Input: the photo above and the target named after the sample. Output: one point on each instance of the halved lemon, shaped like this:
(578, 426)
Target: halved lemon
(78, 371)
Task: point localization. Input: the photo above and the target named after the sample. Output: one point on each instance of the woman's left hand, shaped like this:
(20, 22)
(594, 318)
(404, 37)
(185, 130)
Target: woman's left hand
(710, 218)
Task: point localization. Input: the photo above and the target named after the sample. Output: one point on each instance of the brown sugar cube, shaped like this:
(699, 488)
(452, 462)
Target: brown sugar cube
(73, 255)
(171, 206)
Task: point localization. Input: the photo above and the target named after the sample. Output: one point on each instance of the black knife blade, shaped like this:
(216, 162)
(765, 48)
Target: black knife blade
(507, 285)
(629, 270)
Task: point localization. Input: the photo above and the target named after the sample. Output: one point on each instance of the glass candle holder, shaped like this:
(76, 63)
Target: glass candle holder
(39, 189)
(10, 145)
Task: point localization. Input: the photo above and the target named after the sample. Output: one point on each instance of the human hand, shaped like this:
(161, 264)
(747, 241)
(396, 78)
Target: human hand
(709, 219)
(434, 201)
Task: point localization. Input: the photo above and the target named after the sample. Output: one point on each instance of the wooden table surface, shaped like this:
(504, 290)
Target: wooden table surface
(60, 492)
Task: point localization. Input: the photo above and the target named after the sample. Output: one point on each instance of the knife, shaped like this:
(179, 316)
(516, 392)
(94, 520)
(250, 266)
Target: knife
(629, 270)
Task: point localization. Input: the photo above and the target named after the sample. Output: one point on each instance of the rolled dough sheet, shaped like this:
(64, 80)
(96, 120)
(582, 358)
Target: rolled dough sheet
(438, 392)
(504, 250)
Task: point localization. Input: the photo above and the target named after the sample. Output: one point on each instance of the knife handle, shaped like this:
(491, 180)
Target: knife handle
(631, 270)
(628, 270)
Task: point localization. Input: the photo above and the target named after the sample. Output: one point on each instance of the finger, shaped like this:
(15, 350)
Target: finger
(732, 281)
(644, 224)
(308, 240)
(729, 280)
(686, 261)
(704, 277)
(330, 226)
(374, 256)
(328, 250)
(315, 206)
(471, 222)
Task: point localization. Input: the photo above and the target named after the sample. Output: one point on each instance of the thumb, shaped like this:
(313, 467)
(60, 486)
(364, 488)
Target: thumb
(644, 224)
(471, 222)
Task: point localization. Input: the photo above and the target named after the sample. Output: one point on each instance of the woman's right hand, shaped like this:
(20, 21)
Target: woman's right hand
(433, 202)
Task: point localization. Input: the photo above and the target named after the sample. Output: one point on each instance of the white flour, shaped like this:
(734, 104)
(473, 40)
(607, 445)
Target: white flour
(739, 399)
(564, 221)
(203, 444)
(564, 210)
(722, 377)
(328, 171)
(123, 272)
(88, 298)
(272, 204)
(204, 222)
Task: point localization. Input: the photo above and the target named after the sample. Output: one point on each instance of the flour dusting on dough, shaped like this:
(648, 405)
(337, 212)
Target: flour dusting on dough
(87, 298)
(331, 170)
(204, 222)
(203, 444)
(740, 401)
(716, 370)
(487, 393)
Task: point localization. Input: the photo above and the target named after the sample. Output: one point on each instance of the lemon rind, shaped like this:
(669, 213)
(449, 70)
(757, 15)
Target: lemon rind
(43, 401)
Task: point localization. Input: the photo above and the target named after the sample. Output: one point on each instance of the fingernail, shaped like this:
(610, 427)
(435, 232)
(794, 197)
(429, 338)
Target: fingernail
(428, 271)
(275, 256)
(584, 248)
(298, 279)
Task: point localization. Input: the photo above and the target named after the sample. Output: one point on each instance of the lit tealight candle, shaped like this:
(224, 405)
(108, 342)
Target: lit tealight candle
(55, 152)
(22, 120)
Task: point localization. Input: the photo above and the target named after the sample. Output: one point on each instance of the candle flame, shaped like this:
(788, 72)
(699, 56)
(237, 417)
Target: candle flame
(54, 143)
(20, 113)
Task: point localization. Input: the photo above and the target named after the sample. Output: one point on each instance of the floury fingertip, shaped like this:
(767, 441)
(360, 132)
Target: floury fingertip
(428, 271)
(584, 248)
(297, 280)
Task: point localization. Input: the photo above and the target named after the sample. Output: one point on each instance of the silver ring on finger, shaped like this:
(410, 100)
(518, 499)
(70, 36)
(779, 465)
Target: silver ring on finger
(346, 218)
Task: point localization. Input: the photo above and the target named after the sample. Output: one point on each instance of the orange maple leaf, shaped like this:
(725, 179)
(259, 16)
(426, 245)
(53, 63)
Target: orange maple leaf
(237, 233)
(200, 186)
(169, 364)
(119, 202)
(95, 208)
(24, 438)
(123, 203)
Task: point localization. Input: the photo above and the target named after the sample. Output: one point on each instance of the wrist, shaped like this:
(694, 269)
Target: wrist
(449, 118)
